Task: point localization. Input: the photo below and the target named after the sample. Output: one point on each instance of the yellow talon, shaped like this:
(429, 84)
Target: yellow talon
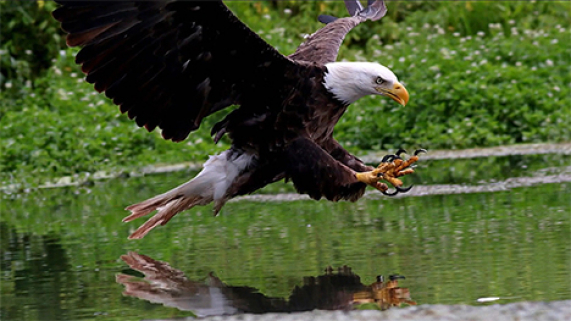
(388, 171)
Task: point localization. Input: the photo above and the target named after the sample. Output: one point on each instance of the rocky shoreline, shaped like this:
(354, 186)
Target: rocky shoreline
(520, 311)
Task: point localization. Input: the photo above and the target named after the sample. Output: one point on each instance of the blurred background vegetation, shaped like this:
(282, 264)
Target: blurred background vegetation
(479, 73)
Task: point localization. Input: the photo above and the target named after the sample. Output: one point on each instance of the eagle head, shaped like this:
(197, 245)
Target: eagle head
(349, 81)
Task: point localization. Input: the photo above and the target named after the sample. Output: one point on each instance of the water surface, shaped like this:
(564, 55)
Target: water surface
(61, 248)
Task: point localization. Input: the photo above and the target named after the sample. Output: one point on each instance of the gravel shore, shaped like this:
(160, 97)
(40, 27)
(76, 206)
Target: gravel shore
(521, 311)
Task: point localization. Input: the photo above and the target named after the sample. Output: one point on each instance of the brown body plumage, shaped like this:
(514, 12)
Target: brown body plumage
(170, 64)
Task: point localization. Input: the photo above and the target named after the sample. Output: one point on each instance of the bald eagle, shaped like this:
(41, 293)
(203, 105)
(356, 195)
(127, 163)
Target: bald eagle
(171, 63)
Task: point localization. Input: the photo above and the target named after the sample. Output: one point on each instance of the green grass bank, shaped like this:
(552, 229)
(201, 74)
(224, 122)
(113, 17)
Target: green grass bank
(479, 74)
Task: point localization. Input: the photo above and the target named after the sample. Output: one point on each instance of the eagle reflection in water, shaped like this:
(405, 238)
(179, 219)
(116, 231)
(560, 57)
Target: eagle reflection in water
(342, 290)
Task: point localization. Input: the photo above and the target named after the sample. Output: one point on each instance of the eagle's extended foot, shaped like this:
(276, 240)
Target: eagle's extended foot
(390, 169)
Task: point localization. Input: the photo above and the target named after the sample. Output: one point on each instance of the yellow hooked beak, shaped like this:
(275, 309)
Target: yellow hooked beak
(398, 93)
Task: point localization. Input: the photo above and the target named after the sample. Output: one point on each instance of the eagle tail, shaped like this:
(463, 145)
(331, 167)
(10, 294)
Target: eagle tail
(168, 205)
(211, 184)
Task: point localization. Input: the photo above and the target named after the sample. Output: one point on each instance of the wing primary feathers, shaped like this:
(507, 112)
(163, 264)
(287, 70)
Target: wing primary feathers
(326, 19)
(322, 47)
(354, 7)
(375, 11)
(171, 63)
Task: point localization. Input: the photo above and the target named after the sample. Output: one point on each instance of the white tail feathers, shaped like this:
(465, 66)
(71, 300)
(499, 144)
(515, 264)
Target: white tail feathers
(168, 204)
(209, 185)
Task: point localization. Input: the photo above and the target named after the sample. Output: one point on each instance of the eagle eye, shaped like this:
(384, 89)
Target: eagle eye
(379, 80)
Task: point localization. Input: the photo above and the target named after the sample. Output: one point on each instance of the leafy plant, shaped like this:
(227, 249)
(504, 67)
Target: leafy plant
(478, 76)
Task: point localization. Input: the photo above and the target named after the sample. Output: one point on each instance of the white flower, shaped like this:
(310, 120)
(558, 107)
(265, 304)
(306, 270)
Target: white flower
(518, 63)
(8, 85)
(554, 41)
(480, 34)
(549, 62)
(287, 11)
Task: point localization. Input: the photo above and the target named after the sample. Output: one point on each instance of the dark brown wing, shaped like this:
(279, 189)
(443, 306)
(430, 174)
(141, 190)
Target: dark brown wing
(170, 63)
(322, 47)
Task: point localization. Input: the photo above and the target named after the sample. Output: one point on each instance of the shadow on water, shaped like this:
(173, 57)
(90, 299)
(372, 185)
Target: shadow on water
(60, 248)
(341, 290)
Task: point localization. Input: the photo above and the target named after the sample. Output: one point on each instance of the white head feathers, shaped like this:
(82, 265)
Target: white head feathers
(349, 81)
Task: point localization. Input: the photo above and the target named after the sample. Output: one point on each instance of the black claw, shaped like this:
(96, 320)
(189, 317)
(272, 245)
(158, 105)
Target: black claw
(388, 158)
(394, 277)
(419, 151)
(391, 194)
(403, 190)
(400, 151)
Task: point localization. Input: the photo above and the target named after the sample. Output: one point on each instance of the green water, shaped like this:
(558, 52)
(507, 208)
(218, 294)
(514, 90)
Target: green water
(60, 248)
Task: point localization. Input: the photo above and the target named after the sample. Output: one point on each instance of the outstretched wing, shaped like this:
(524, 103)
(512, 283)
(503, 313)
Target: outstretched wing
(170, 63)
(322, 47)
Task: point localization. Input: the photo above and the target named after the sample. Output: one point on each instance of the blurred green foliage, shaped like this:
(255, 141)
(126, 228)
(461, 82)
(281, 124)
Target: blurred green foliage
(479, 74)
(29, 40)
